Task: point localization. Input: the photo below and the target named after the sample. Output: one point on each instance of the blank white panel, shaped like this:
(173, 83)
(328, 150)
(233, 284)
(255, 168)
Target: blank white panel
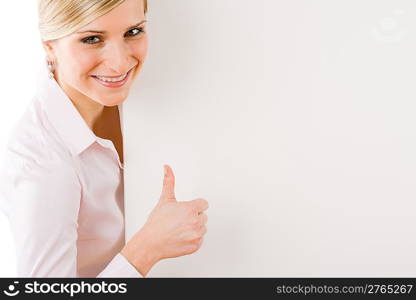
(295, 120)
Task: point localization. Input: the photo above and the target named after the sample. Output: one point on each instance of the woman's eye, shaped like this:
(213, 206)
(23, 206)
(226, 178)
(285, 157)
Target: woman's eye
(136, 31)
(132, 32)
(88, 39)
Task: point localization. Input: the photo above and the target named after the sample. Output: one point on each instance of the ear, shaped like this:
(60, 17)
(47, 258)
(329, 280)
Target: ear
(49, 47)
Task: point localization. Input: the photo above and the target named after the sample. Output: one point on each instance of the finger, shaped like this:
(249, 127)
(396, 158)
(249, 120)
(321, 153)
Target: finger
(202, 231)
(168, 189)
(200, 241)
(200, 204)
(204, 218)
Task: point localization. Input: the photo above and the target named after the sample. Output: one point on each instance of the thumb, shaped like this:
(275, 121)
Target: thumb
(168, 189)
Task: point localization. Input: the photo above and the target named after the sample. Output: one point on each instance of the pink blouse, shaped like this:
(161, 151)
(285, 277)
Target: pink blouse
(61, 187)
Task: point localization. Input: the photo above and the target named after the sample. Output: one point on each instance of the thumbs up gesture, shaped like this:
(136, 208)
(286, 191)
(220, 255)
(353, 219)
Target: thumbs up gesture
(176, 228)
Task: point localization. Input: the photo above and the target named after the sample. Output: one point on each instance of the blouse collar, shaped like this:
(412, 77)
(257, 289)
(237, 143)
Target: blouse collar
(64, 116)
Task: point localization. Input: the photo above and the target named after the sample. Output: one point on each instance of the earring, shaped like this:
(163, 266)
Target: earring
(51, 69)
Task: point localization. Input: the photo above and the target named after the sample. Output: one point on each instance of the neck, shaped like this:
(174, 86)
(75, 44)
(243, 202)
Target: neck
(90, 110)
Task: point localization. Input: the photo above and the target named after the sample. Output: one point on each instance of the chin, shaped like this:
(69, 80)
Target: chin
(113, 103)
(110, 102)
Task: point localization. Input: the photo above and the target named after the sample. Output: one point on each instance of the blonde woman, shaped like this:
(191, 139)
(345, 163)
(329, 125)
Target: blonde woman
(62, 176)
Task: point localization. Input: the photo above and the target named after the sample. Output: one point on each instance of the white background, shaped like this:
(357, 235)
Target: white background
(20, 57)
(294, 119)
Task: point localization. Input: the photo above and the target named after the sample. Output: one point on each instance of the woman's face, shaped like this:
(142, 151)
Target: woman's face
(120, 49)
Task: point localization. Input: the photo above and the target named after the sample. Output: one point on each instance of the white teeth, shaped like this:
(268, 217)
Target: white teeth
(112, 79)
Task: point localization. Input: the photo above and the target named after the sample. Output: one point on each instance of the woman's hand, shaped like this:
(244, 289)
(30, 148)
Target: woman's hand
(172, 229)
(176, 228)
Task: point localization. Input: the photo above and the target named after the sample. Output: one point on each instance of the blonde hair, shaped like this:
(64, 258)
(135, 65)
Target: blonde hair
(58, 18)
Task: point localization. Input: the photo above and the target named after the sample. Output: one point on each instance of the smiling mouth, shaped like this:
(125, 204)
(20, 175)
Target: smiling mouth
(114, 83)
(112, 78)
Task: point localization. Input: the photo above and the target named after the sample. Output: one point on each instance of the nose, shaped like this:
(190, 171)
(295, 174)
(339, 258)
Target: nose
(117, 59)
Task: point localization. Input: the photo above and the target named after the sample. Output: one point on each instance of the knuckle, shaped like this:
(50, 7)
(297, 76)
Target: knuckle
(195, 236)
(199, 232)
(203, 201)
(196, 247)
(192, 209)
(198, 242)
(193, 246)
(191, 249)
(196, 228)
(195, 223)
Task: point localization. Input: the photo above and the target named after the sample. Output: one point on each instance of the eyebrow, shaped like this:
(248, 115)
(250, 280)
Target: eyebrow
(103, 32)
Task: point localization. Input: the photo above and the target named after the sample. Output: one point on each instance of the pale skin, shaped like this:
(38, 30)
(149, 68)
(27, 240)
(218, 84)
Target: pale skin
(173, 228)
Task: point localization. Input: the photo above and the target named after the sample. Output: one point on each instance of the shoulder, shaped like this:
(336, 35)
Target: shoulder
(33, 148)
(33, 139)
(35, 167)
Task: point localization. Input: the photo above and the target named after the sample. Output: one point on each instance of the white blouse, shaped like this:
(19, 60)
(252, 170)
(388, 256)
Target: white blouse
(61, 187)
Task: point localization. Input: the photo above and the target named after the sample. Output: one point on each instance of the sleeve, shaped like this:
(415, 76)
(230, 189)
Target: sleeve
(42, 201)
(120, 267)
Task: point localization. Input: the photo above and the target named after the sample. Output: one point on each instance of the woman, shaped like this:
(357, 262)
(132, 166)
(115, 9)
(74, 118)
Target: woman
(62, 177)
